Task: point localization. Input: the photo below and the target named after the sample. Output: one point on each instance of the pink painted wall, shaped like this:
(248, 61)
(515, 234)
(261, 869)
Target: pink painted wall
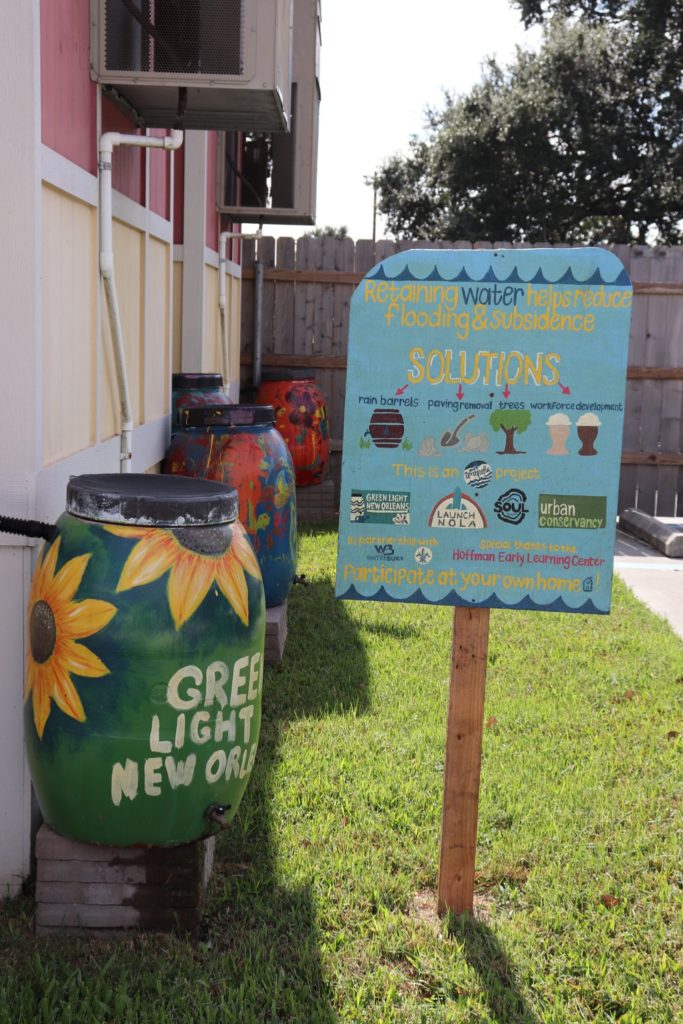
(68, 97)
(69, 107)
(211, 225)
(128, 162)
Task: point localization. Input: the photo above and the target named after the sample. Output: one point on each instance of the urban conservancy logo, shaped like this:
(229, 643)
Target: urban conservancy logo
(572, 512)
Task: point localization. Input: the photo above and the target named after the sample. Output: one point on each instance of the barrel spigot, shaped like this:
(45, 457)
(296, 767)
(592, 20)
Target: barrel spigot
(216, 812)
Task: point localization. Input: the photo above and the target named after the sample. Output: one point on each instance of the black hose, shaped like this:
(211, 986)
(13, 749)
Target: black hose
(27, 527)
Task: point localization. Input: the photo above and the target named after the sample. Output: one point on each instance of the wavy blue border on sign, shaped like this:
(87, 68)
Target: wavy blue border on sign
(490, 277)
(452, 599)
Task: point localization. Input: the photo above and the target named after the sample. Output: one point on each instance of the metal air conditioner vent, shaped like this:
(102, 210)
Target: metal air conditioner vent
(271, 176)
(198, 64)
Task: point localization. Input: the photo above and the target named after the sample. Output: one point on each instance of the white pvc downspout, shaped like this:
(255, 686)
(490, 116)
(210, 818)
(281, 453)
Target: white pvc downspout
(222, 263)
(106, 148)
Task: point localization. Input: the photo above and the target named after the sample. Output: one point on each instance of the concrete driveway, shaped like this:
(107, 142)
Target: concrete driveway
(655, 580)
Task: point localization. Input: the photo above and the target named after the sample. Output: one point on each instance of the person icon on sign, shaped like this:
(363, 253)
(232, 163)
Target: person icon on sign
(558, 426)
(587, 428)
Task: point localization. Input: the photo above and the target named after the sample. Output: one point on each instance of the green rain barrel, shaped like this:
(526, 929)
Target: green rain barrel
(145, 661)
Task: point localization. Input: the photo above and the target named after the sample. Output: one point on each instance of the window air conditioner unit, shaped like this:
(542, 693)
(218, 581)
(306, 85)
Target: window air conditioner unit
(196, 64)
(271, 177)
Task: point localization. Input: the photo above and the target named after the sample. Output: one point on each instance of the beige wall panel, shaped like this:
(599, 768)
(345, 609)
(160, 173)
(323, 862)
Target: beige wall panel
(129, 260)
(69, 324)
(177, 313)
(211, 353)
(212, 356)
(158, 379)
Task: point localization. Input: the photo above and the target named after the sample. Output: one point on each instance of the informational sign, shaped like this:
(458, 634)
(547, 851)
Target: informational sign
(483, 425)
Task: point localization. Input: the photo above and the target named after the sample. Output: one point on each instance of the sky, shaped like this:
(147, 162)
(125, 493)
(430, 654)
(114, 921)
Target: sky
(382, 63)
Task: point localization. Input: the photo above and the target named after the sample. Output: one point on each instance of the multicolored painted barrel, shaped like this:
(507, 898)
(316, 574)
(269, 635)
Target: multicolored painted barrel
(145, 662)
(301, 418)
(239, 445)
(192, 390)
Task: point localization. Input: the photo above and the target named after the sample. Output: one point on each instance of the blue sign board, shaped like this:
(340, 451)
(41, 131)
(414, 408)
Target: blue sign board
(482, 432)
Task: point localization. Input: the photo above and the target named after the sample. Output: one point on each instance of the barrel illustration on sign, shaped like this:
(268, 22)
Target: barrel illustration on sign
(386, 428)
(507, 368)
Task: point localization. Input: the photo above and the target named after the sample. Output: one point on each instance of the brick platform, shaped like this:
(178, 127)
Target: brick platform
(105, 891)
(276, 634)
(315, 504)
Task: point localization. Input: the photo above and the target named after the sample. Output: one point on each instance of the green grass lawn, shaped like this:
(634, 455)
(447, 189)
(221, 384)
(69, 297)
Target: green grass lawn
(322, 904)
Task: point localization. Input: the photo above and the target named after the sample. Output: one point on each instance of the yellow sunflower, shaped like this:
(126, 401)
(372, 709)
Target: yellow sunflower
(56, 622)
(197, 556)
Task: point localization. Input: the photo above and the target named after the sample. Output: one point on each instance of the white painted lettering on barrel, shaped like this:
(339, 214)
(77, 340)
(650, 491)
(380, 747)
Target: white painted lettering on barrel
(125, 780)
(193, 698)
(238, 682)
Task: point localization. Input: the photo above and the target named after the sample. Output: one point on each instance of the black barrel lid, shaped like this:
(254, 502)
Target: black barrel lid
(150, 499)
(197, 381)
(226, 415)
(268, 376)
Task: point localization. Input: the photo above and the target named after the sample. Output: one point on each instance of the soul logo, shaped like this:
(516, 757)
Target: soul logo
(510, 507)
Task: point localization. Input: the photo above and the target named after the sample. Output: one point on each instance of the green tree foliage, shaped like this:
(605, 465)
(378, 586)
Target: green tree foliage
(341, 232)
(579, 142)
(659, 17)
(511, 422)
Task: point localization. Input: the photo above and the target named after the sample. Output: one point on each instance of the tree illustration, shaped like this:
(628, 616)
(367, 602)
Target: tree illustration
(510, 421)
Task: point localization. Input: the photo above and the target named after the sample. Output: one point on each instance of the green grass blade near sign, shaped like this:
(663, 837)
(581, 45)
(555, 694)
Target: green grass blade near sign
(483, 425)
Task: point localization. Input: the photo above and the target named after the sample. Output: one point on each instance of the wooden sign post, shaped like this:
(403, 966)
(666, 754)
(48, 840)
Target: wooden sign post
(483, 420)
(462, 768)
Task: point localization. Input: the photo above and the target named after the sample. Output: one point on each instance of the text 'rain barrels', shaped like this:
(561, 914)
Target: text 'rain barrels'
(301, 418)
(239, 445)
(145, 661)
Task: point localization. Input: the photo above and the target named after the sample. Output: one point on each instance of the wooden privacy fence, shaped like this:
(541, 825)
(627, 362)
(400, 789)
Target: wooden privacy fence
(307, 291)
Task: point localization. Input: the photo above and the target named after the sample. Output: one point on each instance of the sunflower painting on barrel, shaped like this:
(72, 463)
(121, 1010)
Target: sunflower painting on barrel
(56, 624)
(195, 558)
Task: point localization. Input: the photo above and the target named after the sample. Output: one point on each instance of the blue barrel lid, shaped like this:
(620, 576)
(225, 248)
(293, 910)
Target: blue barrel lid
(150, 499)
(208, 416)
(197, 381)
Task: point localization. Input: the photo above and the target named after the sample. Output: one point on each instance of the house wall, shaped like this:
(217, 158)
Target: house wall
(201, 349)
(20, 438)
(210, 358)
(80, 402)
(61, 402)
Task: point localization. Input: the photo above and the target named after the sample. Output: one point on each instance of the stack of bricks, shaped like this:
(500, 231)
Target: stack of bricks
(276, 634)
(103, 891)
(316, 503)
